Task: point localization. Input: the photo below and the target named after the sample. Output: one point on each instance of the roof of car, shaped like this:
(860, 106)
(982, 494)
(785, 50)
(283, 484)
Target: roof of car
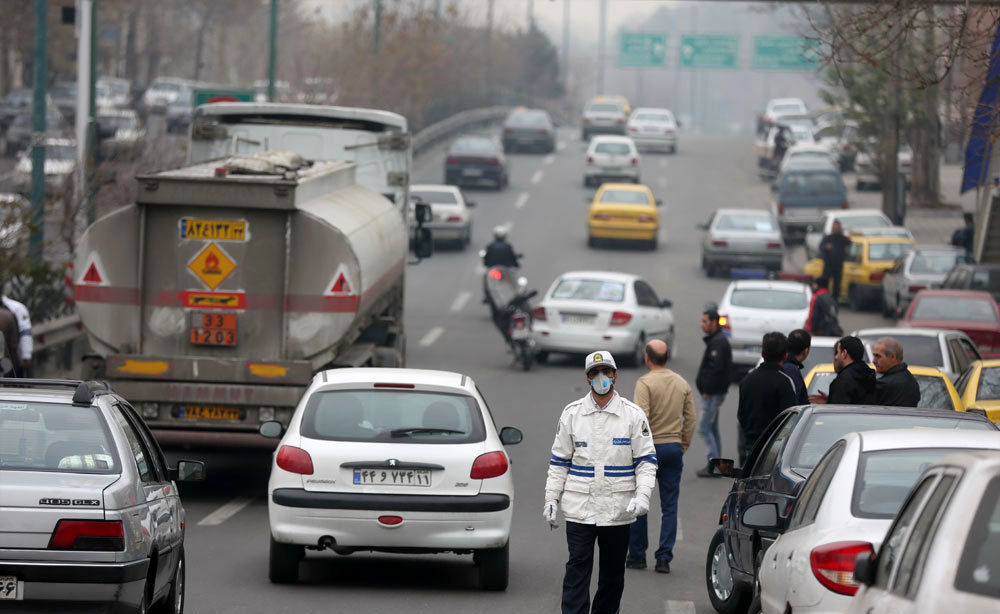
(980, 266)
(651, 110)
(368, 375)
(807, 147)
(845, 213)
(610, 138)
(937, 248)
(973, 460)
(863, 238)
(769, 284)
(901, 439)
(827, 367)
(809, 164)
(728, 211)
(902, 331)
(604, 275)
(881, 409)
(954, 293)
(631, 187)
(990, 363)
(434, 187)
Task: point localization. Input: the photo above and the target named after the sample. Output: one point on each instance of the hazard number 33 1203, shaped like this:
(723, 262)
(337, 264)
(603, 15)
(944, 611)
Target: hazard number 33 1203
(213, 329)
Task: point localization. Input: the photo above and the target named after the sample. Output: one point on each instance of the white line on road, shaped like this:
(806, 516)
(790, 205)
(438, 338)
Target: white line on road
(561, 145)
(549, 159)
(679, 607)
(225, 512)
(431, 336)
(537, 177)
(460, 300)
(522, 200)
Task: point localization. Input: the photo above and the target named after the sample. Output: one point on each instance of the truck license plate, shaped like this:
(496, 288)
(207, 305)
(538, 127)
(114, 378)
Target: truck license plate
(213, 329)
(209, 412)
(11, 588)
(392, 477)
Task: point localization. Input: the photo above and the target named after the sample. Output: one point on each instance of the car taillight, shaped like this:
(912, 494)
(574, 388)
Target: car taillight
(720, 243)
(489, 465)
(539, 313)
(107, 535)
(294, 460)
(492, 162)
(633, 129)
(647, 218)
(451, 160)
(843, 205)
(724, 322)
(833, 565)
(774, 245)
(876, 276)
(668, 131)
(620, 318)
(590, 159)
(635, 161)
(454, 218)
(496, 274)
(915, 288)
(602, 216)
(781, 209)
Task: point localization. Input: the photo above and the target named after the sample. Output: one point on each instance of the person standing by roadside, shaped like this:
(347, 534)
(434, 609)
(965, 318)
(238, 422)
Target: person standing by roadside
(833, 249)
(897, 386)
(601, 472)
(823, 310)
(799, 344)
(855, 381)
(713, 384)
(765, 392)
(667, 401)
(25, 342)
(8, 331)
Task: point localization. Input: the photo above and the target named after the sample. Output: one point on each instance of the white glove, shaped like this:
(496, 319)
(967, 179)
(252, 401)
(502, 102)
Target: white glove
(637, 506)
(549, 514)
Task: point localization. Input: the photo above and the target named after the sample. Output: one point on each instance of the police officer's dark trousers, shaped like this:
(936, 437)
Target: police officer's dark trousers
(612, 545)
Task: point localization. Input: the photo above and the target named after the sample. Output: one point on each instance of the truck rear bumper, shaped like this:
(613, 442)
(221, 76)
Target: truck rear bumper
(213, 439)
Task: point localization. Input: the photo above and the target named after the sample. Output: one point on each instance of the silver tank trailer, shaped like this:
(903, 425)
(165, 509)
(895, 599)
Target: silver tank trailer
(213, 300)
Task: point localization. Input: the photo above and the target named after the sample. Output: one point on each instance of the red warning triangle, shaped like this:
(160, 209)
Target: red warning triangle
(341, 286)
(93, 272)
(92, 276)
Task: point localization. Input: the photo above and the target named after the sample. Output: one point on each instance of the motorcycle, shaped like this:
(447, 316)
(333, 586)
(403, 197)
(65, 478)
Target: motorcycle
(511, 312)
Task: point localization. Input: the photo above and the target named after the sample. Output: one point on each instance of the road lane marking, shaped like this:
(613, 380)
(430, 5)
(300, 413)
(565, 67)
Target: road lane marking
(561, 146)
(460, 301)
(679, 607)
(522, 200)
(663, 163)
(225, 512)
(549, 159)
(537, 177)
(431, 336)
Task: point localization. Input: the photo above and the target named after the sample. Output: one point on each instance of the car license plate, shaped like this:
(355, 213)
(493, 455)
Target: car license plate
(392, 477)
(209, 412)
(518, 334)
(472, 172)
(11, 588)
(213, 329)
(576, 319)
(753, 349)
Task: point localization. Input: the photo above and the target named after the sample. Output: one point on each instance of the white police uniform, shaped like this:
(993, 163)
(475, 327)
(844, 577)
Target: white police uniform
(25, 342)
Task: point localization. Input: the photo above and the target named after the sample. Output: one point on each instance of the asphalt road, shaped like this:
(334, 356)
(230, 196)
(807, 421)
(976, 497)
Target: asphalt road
(448, 328)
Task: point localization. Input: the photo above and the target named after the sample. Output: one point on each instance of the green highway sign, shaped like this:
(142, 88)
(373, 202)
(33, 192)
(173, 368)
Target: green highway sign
(642, 50)
(709, 51)
(207, 96)
(784, 53)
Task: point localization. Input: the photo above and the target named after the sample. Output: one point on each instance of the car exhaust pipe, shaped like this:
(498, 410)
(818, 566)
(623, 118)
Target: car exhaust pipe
(326, 542)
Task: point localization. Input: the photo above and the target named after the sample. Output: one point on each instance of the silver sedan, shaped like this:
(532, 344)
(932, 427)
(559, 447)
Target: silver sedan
(924, 267)
(736, 238)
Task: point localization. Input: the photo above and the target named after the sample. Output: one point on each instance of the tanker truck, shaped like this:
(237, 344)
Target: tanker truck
(212, 300)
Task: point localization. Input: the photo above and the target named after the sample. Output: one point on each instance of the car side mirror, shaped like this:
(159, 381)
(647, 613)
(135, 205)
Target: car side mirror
(471, 204)
(188, 471)
(666, 303)
(588, 199)
(701, 226)
(725, 467)
(864, 568)
(272, 429)
(422, 211)
(763, 516)
(424, 247)
(510, 436)
(659, 202)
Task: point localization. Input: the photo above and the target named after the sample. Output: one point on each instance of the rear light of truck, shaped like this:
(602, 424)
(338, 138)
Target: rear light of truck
(876, 276)
(454, 218)
(620, 318)
(451, 160)
(720, 243)
(294, 460)
(833, 565)
(105, 535)
(843, 205)
(489, 465)
(774, 245)
(492, 162)
(781, 209)
(539, 314)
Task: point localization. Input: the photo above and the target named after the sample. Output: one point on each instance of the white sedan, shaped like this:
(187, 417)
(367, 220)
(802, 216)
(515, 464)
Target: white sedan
(451, 219)
(845, 509)
(753, 307)
(653, 129)
(587, 310)
(611, 158)
(391, 460)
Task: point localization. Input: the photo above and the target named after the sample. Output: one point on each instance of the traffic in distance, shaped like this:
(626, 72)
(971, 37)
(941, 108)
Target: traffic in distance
(332, 362)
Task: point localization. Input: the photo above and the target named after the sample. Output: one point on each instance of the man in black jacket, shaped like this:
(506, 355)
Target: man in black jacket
(897, 386)
(833, 249)
(713, 383)
(765, 391)
(855, 381)
(799, 344)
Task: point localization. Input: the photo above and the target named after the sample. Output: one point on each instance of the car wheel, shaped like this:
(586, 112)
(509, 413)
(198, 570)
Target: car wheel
(755, 607)
(727, 596)
(652, 244)
(174, 603)
(591, 242)
(283, 562)
(586, 182)
(494, 567)
(711, 270)
(542, 357)
(639, 351)
(854, 299)
(886, 311)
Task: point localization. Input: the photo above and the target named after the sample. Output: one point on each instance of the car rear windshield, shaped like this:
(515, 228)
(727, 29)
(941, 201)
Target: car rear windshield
(887, 251)
(862, 221)
(440, 198)
(604, 107)
(590, 290)
(477, 144)
(661, 118)
(987, 281)
(796, 184)
(618, 149)
(935, 262)
(787, 109)
(989, 384)
(954, 308)
(747, 222)
(393, 416)
(632, 197)
(55, 437)
(528, 118)
(979, 566)
(922, 350)
(763, 298)
(885, 477)
(824, 428)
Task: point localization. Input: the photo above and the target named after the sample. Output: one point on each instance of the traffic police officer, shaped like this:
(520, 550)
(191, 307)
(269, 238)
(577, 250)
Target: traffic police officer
(602, 472)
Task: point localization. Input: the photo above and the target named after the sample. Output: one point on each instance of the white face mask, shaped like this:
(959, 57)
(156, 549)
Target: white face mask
(601, 383)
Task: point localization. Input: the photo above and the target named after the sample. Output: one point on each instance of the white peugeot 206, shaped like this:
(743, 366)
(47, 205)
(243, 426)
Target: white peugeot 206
(396, 460)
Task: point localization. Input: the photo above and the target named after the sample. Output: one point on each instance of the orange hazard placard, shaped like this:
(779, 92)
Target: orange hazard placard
(212, 266)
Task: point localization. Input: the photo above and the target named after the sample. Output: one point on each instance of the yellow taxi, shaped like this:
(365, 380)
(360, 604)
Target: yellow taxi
(868, 258)
(980, 388)
(623, 211)
(936, 390)
(626, 105)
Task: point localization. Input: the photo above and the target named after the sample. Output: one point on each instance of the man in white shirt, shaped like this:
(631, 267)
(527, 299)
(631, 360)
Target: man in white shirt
(25, 343)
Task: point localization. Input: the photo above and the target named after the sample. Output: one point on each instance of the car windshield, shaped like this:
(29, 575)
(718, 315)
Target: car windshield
(474, 143)
(613, 148)
(528, 118)
(979, 565)
(165, 86)
(808, 155)
(766, 298)
(935, 262)
(787, 109)
(919, 350)
(604, 107)
(826, 427)
(862, 221)
(660, 118)
(63, 91)
(435, 197)
(745, 221)
(590, 290)
(885, 477)
(820, 381)
(887, 251)
(986, 280)
(632, 197)
(60, 152)
(55, 437)
(989, 384)
(812, 183)
(934, 392)
(802, 134)
(392, 416)
(954, 308)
